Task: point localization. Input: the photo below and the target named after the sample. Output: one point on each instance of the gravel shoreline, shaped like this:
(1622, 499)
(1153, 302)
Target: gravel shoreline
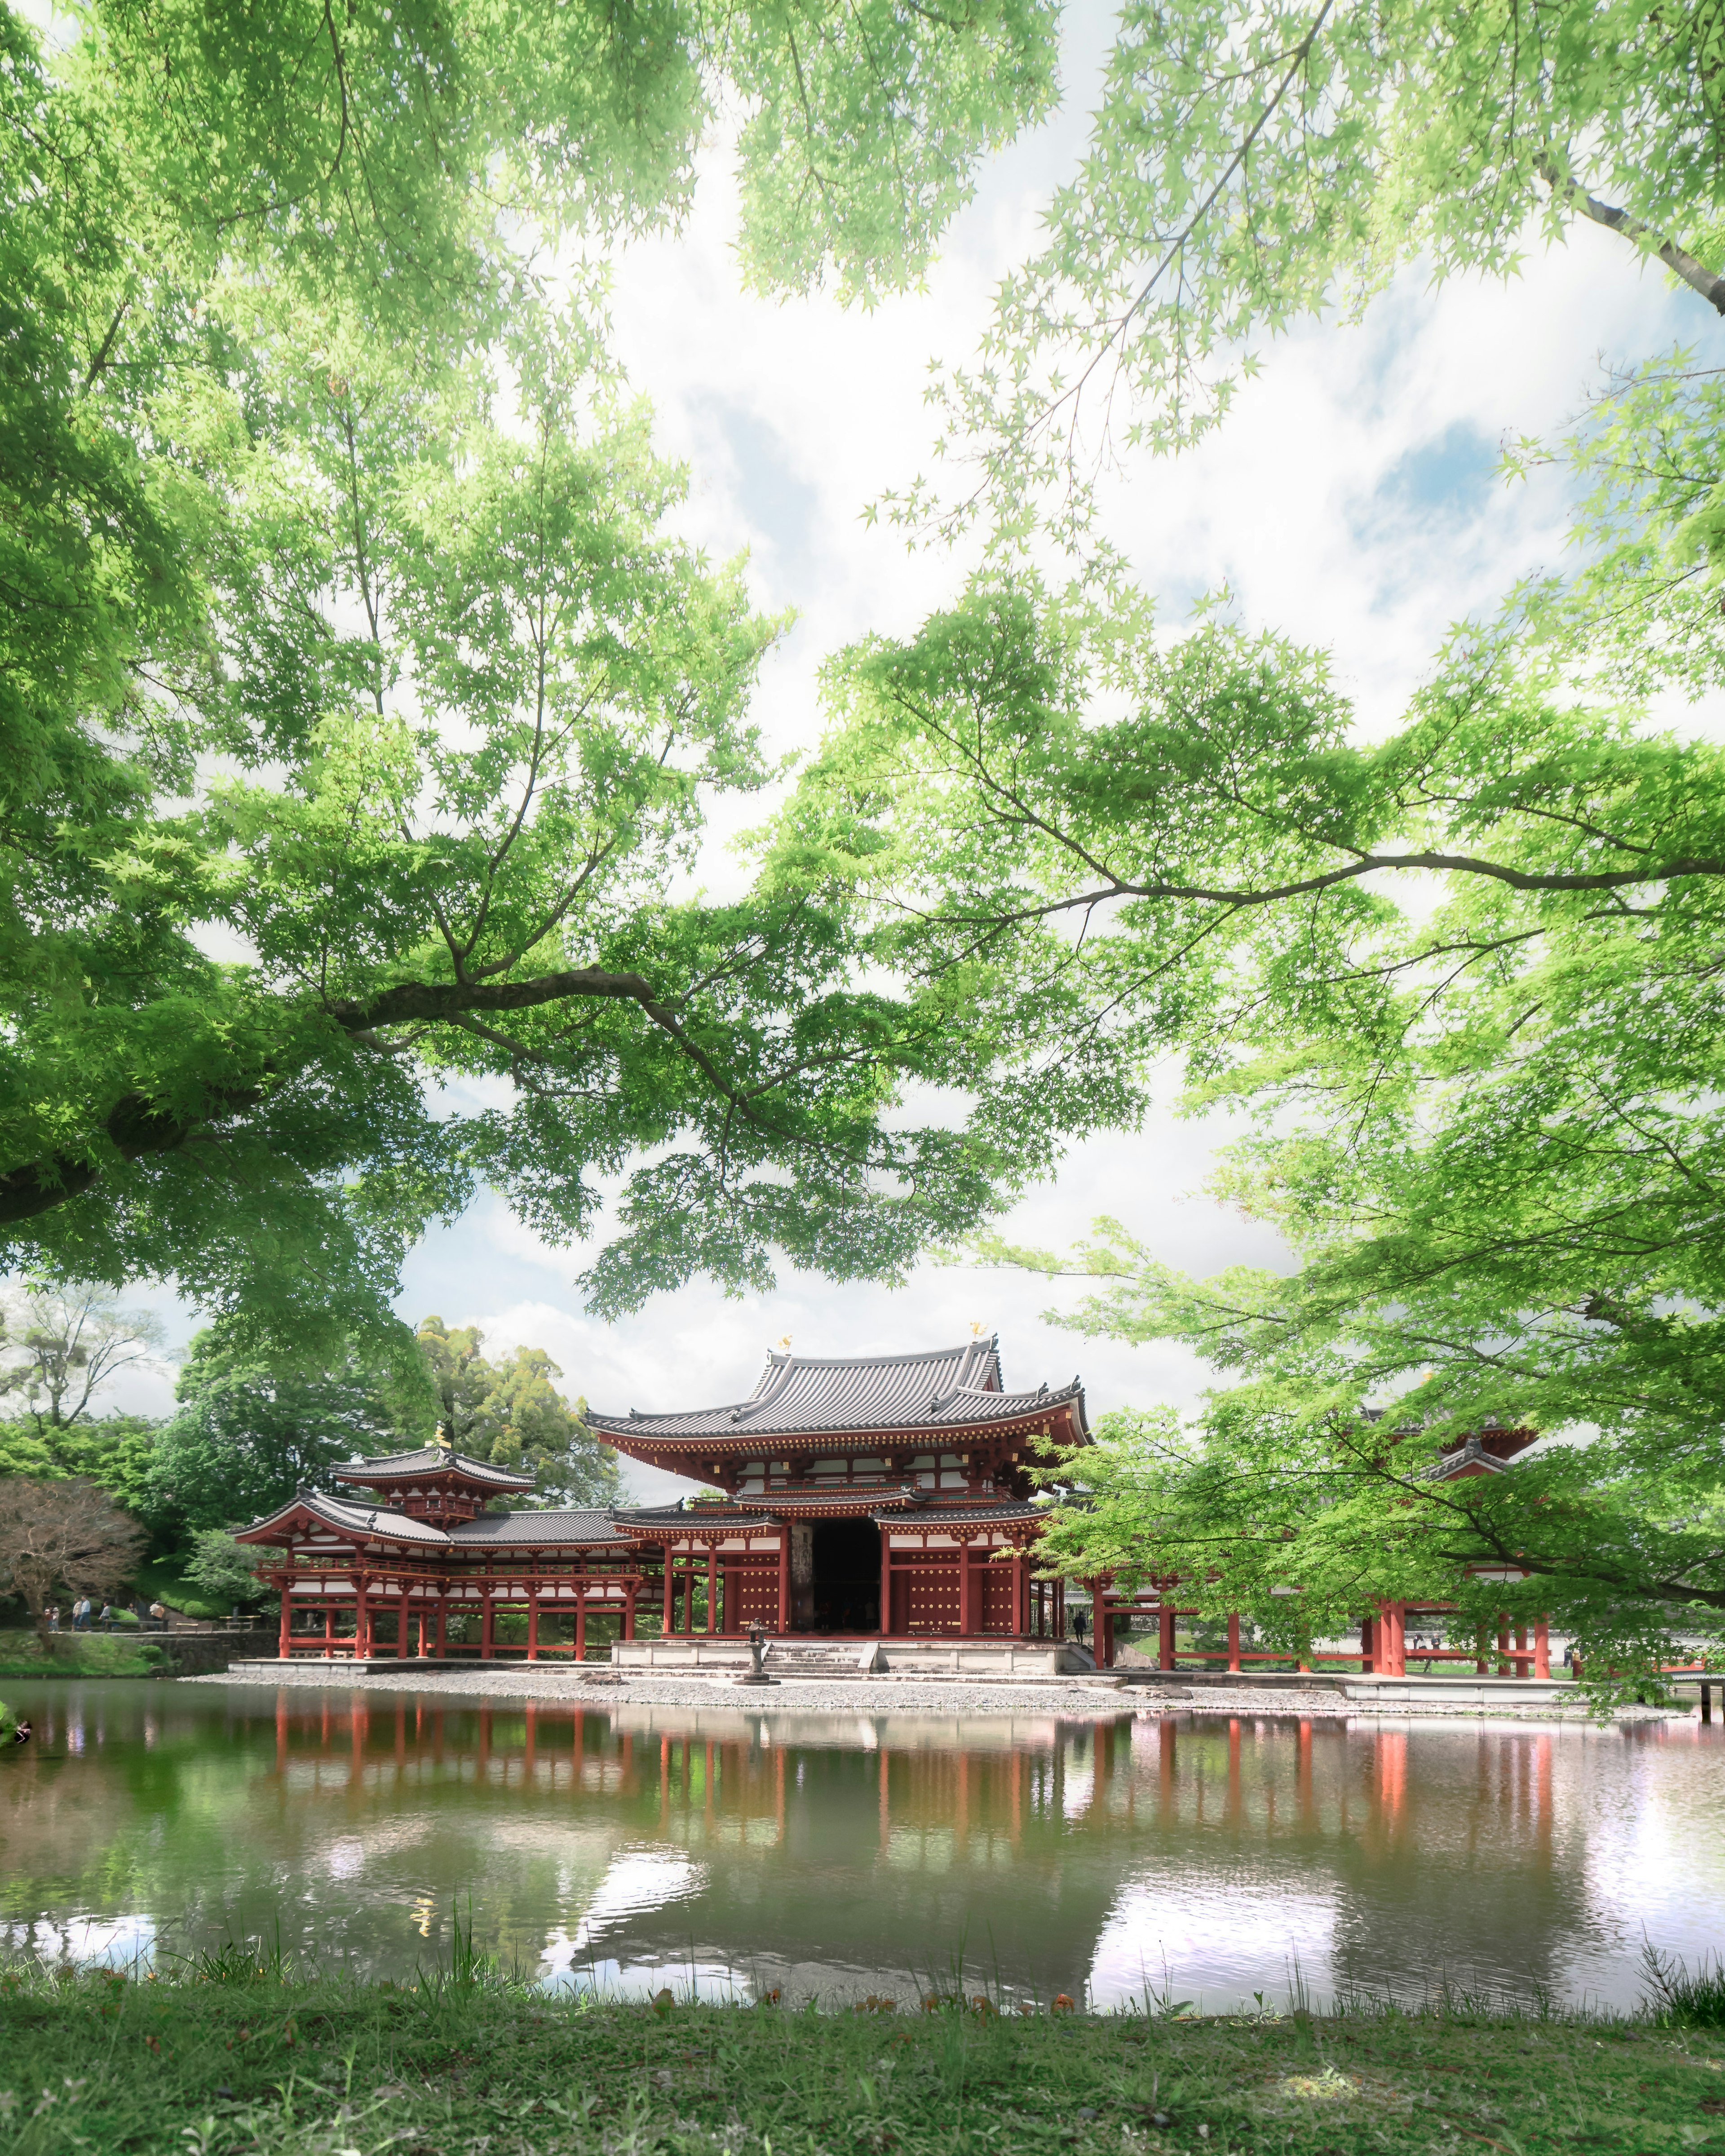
(863, 1696)
(1070, 1699)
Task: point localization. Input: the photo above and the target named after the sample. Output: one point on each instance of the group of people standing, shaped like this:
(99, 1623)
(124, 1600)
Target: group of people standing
(84, 1615)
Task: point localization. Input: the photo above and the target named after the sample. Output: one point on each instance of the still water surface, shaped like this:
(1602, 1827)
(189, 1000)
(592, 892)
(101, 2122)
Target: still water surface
(726, 1850)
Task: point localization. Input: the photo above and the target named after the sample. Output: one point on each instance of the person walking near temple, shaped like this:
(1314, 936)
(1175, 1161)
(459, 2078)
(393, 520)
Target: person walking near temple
(105, 1619)
(81, 1613)
(54, 1616)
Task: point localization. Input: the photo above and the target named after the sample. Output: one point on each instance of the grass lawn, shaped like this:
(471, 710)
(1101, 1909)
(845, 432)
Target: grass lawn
(122, 1653)
(160, 1580)
(202, 2067)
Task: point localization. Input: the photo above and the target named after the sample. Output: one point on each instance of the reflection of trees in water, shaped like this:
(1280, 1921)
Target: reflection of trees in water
(817, 1853)
(1459, 1847)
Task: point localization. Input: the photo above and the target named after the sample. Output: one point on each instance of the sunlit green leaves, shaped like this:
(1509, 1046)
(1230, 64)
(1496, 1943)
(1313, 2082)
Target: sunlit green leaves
(1248, 167)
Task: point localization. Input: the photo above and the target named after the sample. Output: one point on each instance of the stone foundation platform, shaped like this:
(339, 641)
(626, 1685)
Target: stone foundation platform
(824, 1658)
(1386, 1694)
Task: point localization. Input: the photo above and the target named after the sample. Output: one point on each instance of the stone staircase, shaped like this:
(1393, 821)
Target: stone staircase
(807, 1658)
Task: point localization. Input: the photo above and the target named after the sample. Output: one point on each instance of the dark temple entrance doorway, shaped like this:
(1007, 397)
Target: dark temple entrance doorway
(847, 1576)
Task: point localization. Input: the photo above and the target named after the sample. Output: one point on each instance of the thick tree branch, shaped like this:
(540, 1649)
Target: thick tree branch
(1677, 259)
(1369, 864)
(135, 1127)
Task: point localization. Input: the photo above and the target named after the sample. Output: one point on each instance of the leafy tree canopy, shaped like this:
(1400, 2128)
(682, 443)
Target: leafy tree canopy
(248, 1432)
(1251, 165)
(226, 1570)
(111, 1451)
(1460, 979)
(508, 1414)
(359, 707)
(1463, 985)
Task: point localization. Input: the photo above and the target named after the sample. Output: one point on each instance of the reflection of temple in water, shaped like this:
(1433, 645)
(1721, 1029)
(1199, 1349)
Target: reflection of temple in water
(841, 1855)
(808, 1852)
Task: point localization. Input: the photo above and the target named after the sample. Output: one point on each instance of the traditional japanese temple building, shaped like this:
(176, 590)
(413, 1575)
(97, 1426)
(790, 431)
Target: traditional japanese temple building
(880, 1497)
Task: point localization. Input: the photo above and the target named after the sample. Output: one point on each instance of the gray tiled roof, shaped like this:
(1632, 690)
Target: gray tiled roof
(545, 1530)
(945, 1389)
(973, 1512)
(648, 1517)
(368, 1520)
(858, 1493)
(430, 1460)
(1470, 1458)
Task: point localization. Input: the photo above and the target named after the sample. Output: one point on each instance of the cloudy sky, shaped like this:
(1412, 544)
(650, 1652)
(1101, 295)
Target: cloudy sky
(1350, 500)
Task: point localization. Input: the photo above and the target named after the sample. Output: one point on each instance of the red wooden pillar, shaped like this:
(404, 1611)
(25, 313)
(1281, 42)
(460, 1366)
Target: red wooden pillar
(1504, 1666)
(628, 1611)
(884, 1624)
(443, 1623)
(1234, 1642)
(361, 1621)
(1165, 1642)
(329, 1630)
(533, 1620)
(580, 1622)
(964, 1589)
(670, 1593)
(287, 1614)
(784, 1575)
(1369, 1666)
(1103, 1616)
(1541, 1648)
(1521, 1650)
(487, 1625)
(713, 1588)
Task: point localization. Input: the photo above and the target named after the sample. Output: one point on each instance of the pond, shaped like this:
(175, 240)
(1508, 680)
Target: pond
(728, 1852)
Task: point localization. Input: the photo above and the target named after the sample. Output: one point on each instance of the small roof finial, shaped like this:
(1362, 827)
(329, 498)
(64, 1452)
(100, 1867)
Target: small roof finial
(976, 1330)
(785, 1340)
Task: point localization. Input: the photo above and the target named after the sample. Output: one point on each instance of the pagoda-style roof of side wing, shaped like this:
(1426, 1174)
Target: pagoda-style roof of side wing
(429, 1460)
(369, 1522)
(583, 1528)
(945, 1389)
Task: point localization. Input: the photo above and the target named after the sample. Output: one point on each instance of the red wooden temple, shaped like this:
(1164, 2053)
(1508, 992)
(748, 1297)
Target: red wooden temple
(878, 1496)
